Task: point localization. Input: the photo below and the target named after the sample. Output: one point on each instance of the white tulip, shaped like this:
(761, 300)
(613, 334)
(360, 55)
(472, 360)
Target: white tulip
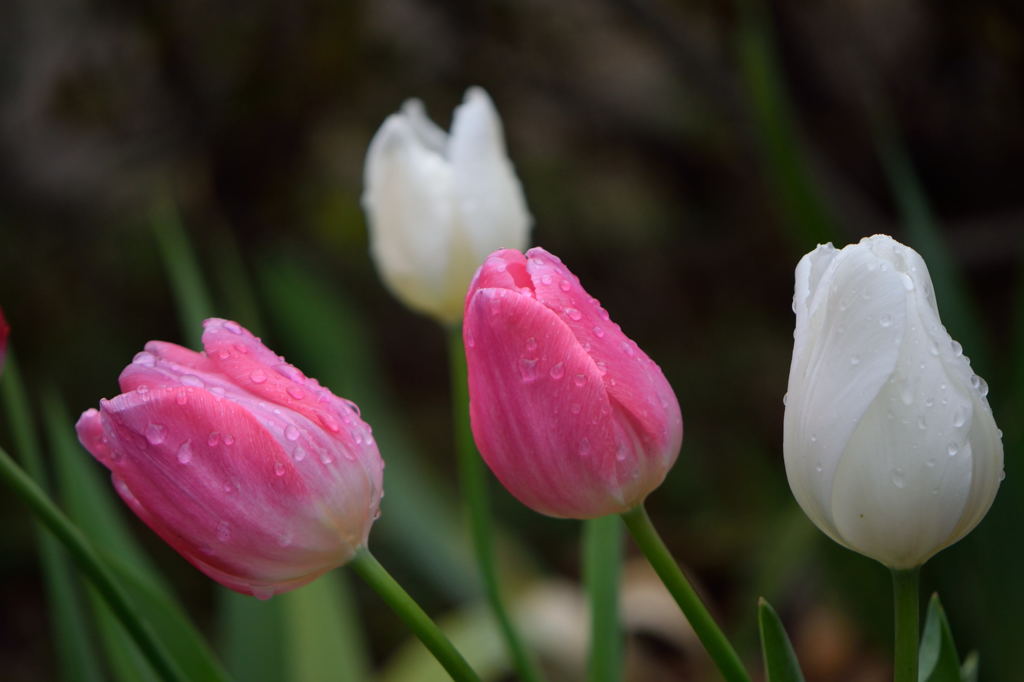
(889, 441)
(438, 204)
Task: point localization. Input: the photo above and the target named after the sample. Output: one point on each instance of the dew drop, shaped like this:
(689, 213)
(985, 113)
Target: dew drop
(144, 358)
(291, 433)
(1002, 476)
(279, 468)
(598, 331)
(575, 408)
(929, 402)
(143, 389)
(585, 447)
(284, 539)
(233, 327)
(934, 349)
(579, 380)
(958, 350)
(296, 392)
(258, 376)
(546, 280)
(191, 380)
(907, 396)
(214, 439)
(959, 419)
(244, 350)
(885, 319)
(785, 398)
(223, 531)
(908, 283)
(185, 452)
(228, 439)
(298, 454)
(531, 344)
(952, 449)
(854, 360)
(528, 369)
(325, 457)
(930, 463)
(330, 423)
(156, 433)
(564, 285)
(814, 438)
(898, 478)
(573, 314)
(181, 398)
(602, 367)
(557, 371)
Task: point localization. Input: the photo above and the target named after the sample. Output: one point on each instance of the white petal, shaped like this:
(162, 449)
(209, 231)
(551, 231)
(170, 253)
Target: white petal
(410, 206)
(490, 199)
(430, 135)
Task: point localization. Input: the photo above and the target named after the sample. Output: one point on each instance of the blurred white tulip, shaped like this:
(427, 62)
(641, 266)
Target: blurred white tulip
(437, 204)
(890, 445)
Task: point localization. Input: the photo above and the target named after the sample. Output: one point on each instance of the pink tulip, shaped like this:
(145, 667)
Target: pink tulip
(253, 472)
(4, 331)
(571, 416)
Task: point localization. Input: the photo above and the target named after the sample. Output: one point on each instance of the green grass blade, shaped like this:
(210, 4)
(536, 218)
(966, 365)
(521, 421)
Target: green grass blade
(76, 658)
(938, 660)
(88, 499)
(776, 126)
(251, 632)
(323, 636)
(780, 663)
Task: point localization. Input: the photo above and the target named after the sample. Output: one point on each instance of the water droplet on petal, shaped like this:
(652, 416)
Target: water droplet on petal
(279, 468)
(296, 392)
(156, 433)
(326, 457)
(958, 350)
(330, 422)
(785, 399)
(557, 371)
(922, 423)
(598, 331)
(291, 433)
(546, 280)
(228, 439)
(214, 439)
(885, 319)
(897, 478)
(854, 360)
(952, 449)
(528, 369)
(233, 327)
(298, 454)
(573, 314)
(908, 283)
(579, 380)
(930, 463)
(144, 358)
(181, 398)
(575, 408)
(223, 531)
(191, 380)
(258, 376)
(564, 285)
(185, 452)
(585, 447)
(959, 418)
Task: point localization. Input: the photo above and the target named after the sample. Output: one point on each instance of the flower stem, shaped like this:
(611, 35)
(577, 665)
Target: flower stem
(377, 577)
(905, 610)
(716, 644)
(473, 484)
(602, 564)
(90, 564)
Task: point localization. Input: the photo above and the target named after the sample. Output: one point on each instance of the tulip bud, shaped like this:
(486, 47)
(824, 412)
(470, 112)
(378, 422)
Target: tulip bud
(253, 472)
(890, 444)
(571, 416)
(437, 204)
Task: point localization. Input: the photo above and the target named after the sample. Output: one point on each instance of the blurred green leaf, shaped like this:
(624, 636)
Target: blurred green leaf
(250, 636)
(780, 663)
(777, 128)
(969, 670)
(89, 501)
(938, 661)
(330, 340)
(76, 658)
(323, 636)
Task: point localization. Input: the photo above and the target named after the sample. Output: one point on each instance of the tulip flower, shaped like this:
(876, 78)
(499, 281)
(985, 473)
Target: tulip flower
(571, 416)
(253, 472)
(437, 204)
(890, 445)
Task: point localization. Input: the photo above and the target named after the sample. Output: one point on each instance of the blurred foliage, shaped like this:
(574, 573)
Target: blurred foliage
(679, 156)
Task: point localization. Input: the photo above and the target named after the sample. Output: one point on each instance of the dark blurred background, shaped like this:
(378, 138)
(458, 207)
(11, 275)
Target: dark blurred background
(679, 156)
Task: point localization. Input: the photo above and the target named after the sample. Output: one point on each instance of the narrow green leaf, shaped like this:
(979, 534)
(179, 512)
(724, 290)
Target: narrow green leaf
(190, 292)
(780, 663)
(89, 500)
(328, 338)
(777, 129)
(323, 637)
(602, 566)
(969, 670)
(77, 660)
(938, 657)
(250, 636)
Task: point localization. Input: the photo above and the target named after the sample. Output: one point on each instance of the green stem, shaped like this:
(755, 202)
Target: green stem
(602, 564)
(89, 563)
(905, 610)
(473, 484)
(651, 544)
(377, 577)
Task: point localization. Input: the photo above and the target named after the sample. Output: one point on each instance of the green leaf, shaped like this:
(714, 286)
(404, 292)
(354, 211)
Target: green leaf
(938, 661)
(780, 664)
(323, 637)
(89, 501)
(243, 621)
(969, 670)
(76, 659)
